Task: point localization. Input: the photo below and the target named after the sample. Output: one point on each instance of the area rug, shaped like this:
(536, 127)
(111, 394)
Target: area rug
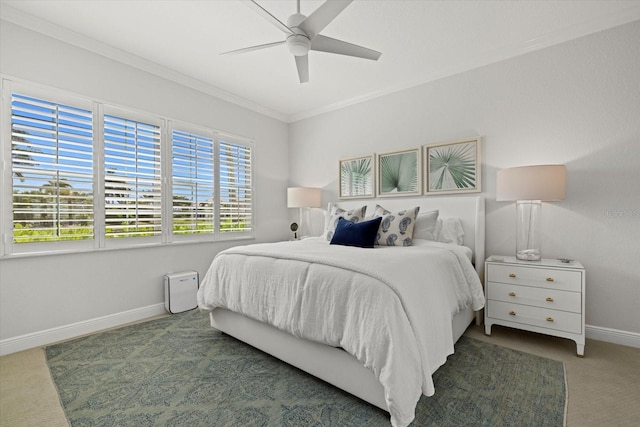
(178, 371)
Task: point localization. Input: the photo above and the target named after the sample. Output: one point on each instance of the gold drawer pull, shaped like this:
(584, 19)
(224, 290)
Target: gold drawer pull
(549, 319)
(512, 275)
(549, 299)
(549, 279)
(512, 294)
(512, 313)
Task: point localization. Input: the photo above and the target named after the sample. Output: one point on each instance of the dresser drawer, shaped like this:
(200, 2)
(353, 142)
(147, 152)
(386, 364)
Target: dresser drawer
(538, 297)
(535, 316)
(536, 276)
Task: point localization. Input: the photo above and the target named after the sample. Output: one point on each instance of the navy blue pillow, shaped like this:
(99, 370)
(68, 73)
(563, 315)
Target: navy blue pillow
(360, 234)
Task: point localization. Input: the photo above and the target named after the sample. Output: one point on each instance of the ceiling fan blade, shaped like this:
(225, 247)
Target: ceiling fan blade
(327, 44)
(252, 48)
(322, 16)
(302, 63)
(268, 16)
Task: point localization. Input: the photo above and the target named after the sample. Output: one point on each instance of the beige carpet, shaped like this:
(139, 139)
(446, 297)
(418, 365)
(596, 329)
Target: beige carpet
(28, 397)
(603, 387)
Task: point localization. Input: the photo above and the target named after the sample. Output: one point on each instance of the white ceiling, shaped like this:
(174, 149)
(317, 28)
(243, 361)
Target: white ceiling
(420, 41)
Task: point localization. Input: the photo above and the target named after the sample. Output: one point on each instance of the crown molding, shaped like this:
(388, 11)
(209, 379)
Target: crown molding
(49, 29)
(604, 22)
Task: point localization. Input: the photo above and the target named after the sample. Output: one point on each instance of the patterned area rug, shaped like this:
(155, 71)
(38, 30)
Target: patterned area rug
(178, 371)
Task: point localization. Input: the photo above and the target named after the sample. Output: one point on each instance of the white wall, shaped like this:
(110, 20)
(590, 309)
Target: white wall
(577, 103)
(44, 292)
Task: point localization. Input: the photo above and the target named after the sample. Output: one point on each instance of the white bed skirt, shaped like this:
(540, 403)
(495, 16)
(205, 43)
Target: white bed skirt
(330, 364)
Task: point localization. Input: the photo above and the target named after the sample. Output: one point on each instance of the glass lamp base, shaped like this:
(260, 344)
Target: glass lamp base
(528, 214)
(529, 255)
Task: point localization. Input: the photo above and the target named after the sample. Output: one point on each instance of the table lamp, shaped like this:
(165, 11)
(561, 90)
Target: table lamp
(303, 197)
(529, 186)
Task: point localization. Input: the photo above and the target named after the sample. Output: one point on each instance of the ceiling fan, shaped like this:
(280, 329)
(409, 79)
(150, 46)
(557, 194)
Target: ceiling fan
(303, 34)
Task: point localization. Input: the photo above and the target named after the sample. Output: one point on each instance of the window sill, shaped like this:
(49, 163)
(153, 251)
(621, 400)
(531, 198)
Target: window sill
(20, 255)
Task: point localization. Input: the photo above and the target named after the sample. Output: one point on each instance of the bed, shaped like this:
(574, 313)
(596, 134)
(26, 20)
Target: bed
(369, 321)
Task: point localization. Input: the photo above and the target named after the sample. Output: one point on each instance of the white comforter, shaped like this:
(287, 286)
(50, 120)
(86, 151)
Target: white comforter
(390, 307)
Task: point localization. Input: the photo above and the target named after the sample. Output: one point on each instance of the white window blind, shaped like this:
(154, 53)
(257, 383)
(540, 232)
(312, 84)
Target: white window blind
(193, 183)
(81, 175)
(52, 170)
(132, 178)
(236, 189)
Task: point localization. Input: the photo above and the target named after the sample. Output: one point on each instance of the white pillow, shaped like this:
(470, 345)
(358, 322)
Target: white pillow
(426, 225)
(396, 229)
(449, 230)
(354, 215)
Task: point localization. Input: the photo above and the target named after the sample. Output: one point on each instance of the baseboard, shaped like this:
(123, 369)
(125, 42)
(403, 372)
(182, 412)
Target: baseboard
(614, 336)
(50, 336)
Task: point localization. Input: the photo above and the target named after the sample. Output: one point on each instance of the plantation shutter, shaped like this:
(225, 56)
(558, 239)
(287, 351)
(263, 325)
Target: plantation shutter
(236, 189)
(132, 180)
(193, 183)
(52, 170)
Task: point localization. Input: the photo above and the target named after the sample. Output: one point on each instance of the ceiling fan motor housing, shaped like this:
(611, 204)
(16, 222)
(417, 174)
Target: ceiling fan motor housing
(298, 42)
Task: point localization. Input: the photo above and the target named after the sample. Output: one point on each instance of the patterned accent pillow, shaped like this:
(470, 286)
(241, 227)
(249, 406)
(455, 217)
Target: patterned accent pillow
(354, 215)
(396, 229)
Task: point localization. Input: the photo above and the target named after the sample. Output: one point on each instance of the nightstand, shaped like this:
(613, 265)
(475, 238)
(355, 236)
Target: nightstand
(545, 296)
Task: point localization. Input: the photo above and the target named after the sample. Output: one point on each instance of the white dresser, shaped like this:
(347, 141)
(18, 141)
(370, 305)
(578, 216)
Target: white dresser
(545, 296)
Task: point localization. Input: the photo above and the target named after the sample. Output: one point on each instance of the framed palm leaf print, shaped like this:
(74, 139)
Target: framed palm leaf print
(452, 167)
(356, 177)
(399, 173)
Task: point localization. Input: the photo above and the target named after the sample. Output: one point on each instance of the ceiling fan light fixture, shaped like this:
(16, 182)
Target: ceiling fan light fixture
(298, 44)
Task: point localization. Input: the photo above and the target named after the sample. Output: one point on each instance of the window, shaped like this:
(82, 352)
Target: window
(236, 198)
(132, 181)
(193, 183)
(52, 168)
(82, 175)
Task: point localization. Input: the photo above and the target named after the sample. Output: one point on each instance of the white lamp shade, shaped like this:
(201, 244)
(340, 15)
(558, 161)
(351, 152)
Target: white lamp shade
(541, 182)
(304, 197)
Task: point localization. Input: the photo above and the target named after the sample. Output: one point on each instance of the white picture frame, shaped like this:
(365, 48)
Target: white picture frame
(356, 177)
(453, 167)
(399, 173)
